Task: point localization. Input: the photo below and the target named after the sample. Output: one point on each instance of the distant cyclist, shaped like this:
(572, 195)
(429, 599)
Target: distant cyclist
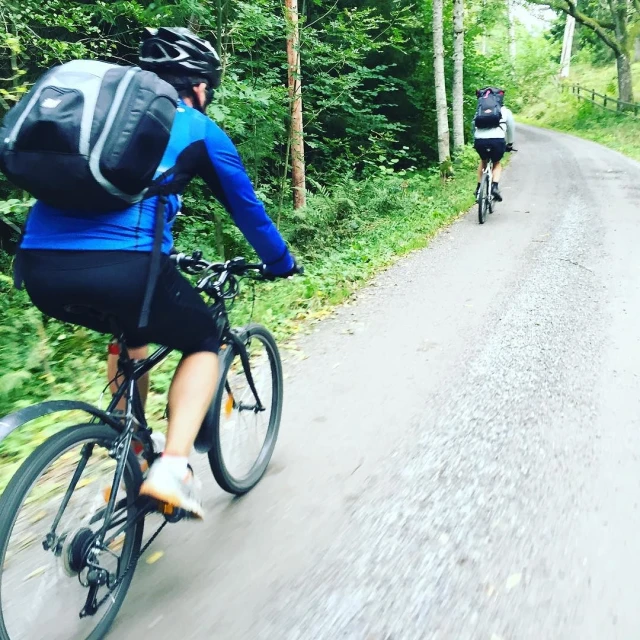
(493, 134)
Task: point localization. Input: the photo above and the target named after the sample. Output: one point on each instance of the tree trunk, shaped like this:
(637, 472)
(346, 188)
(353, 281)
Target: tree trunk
(441, 93)
(625, 83)
(620, 15)
(512, 33)
(295, 97)
(217, 219)
(458, 69)
(567, 46)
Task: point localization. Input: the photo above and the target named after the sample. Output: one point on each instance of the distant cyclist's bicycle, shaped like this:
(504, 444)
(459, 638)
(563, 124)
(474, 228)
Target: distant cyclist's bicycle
(71, 527)
(485, 198)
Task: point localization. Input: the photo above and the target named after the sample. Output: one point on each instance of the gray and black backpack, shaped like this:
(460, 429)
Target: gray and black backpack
(89, 135)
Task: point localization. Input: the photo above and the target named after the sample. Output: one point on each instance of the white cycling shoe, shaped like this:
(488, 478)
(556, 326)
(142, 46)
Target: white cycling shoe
(179, 491)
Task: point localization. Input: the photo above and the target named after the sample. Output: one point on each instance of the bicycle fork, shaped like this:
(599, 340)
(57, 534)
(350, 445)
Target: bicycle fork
(244, 359)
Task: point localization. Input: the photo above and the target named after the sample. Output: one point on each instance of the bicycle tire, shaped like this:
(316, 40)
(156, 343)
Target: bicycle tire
(223, 476)
(13, 499)
(482, 199)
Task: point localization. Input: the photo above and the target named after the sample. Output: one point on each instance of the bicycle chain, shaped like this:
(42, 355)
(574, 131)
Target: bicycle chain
(132, 563)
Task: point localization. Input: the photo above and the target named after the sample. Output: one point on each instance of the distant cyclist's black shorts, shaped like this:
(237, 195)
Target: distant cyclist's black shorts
(88, 287)
(491, 149)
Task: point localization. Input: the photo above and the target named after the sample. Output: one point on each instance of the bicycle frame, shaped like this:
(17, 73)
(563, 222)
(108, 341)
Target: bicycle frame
(488, 170)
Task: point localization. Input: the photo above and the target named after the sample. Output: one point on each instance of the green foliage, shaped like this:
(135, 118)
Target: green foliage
(563, 111)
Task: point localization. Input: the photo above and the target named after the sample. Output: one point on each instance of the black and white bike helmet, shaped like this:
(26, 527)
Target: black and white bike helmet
(178, 51)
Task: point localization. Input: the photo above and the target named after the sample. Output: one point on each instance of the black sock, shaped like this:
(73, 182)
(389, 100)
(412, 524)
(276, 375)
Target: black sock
(478, 187)
(495, 185)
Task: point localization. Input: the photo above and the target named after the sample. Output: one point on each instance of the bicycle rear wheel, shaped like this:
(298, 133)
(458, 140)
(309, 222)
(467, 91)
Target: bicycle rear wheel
(483, 199)
(44, 575)
(245, 435)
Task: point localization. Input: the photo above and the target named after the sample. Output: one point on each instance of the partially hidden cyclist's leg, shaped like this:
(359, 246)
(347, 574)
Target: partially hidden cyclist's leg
(497, 172)
(498, 149)
(135, 353)
(481, 167)
(481, 150)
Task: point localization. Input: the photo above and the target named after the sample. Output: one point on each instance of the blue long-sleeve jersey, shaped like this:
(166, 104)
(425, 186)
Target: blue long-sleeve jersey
(197, 147)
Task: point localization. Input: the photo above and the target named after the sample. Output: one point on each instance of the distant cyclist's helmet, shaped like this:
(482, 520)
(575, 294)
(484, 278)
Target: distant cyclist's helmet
(495, 90)
(176, 50)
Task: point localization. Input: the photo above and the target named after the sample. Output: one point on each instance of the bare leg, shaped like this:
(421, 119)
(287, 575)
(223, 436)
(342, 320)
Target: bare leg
(497, 171)
(143, 383)
(190, 395)
(481, 167)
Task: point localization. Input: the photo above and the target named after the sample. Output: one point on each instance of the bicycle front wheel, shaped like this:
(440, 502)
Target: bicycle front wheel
(52, 512)
(245, 430)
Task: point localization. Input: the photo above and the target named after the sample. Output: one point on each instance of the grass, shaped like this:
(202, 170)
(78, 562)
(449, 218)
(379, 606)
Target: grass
(603, 79)
(353, 233)
(564, 112)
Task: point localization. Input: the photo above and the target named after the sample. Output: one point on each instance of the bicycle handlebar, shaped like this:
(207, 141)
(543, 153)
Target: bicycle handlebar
(195, 264)
(226, 271)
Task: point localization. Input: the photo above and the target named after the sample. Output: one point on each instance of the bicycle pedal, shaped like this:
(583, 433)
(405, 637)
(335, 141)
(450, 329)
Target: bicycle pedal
(170, 512)
(166, 509)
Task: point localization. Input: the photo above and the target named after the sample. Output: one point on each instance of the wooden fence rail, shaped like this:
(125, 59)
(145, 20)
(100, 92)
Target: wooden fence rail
(602, 100)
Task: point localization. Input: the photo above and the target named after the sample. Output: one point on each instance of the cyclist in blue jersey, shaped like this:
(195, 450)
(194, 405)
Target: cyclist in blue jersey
(74, 262)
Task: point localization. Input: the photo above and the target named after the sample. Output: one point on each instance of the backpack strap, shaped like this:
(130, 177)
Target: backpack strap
(154, 263)
(162, 189)
(18, 270)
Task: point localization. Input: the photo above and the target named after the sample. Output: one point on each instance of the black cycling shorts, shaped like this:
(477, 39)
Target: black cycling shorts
(491, 148)
(88, 287)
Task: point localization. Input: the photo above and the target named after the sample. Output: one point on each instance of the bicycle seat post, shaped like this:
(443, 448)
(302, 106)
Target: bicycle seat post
(125, 368)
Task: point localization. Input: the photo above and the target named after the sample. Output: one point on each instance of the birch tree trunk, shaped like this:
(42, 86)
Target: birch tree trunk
(567, 46)
(295, 96)
(441, 93)
(458, 70)
(512, 33)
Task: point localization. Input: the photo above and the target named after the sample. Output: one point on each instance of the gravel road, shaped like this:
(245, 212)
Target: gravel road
(459, 446)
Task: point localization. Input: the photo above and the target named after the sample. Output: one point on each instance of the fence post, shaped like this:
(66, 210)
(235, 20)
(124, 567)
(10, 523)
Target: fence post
(593, 95)
(605, 101)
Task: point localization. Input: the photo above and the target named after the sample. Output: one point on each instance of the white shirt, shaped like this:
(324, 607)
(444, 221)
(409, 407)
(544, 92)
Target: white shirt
(506, 128)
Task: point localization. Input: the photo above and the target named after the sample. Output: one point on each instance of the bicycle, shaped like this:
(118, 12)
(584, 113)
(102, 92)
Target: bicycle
(92, 561)
(485, 197)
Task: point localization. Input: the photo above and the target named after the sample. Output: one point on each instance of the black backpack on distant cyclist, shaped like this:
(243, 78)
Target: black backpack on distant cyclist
(489, 109)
